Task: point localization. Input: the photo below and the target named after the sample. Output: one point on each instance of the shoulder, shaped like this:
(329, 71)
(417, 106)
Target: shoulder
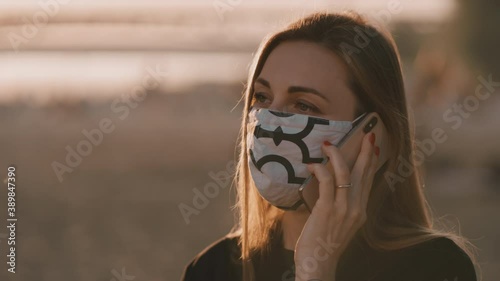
(217, 261)
(438, 259)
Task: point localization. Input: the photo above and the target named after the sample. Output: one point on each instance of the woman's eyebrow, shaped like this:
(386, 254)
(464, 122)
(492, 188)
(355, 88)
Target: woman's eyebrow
(300, 89)
(294, 89)
(263, 82)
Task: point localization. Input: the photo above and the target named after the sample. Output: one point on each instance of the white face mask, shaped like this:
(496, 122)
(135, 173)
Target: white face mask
(279, 147)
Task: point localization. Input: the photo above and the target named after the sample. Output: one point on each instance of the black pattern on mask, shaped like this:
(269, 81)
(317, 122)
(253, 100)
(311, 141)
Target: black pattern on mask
(279, 159)
(278, 136)
(281, 114)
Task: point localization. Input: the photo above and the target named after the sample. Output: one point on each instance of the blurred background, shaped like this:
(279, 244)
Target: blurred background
(118, 114)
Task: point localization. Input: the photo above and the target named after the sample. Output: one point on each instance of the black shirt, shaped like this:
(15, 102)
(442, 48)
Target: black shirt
(439, 259)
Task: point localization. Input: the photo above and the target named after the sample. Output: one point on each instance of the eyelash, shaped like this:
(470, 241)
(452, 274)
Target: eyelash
(258, 95)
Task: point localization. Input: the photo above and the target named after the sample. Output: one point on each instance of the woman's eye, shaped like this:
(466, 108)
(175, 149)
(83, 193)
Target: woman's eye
(306, 107)
(260, 98)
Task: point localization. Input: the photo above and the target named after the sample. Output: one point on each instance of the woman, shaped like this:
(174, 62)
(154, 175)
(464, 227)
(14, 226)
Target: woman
(366, 224)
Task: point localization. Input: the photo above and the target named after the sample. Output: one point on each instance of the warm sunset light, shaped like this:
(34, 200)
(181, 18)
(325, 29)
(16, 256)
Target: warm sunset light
(216, 140)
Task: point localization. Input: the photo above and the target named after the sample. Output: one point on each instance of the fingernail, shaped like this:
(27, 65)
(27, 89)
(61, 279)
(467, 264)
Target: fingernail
(372, 138)
(327, 143)
(377, 150)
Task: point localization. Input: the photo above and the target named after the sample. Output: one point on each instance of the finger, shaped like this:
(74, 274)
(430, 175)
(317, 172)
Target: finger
(364, 166)
(341, 171)
(326, 182)
(371, 175)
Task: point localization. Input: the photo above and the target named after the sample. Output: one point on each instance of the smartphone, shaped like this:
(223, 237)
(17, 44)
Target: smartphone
(350, 146)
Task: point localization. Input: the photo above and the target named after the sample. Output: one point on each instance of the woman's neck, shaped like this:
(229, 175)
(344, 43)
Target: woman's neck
(292, 224)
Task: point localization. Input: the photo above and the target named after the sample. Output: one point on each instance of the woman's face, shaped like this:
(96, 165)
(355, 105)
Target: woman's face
(306, 78)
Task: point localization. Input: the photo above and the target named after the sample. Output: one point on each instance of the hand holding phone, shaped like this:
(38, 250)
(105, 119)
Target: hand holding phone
(350, 146)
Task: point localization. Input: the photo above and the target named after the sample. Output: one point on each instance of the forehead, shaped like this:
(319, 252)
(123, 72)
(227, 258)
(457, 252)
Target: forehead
(305, 64)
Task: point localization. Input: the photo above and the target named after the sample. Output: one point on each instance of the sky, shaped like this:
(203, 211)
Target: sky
(101, 48)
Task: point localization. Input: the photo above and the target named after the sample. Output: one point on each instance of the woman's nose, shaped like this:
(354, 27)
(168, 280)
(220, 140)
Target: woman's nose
(278, 105)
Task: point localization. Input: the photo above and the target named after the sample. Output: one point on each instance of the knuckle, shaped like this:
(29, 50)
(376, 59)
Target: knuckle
(354, 215)
(327, 178)
(357, 216)
(340, 211)
(324, 205)
(344, 173)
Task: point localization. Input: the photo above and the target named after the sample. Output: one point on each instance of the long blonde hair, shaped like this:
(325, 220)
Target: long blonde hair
(398, 215)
